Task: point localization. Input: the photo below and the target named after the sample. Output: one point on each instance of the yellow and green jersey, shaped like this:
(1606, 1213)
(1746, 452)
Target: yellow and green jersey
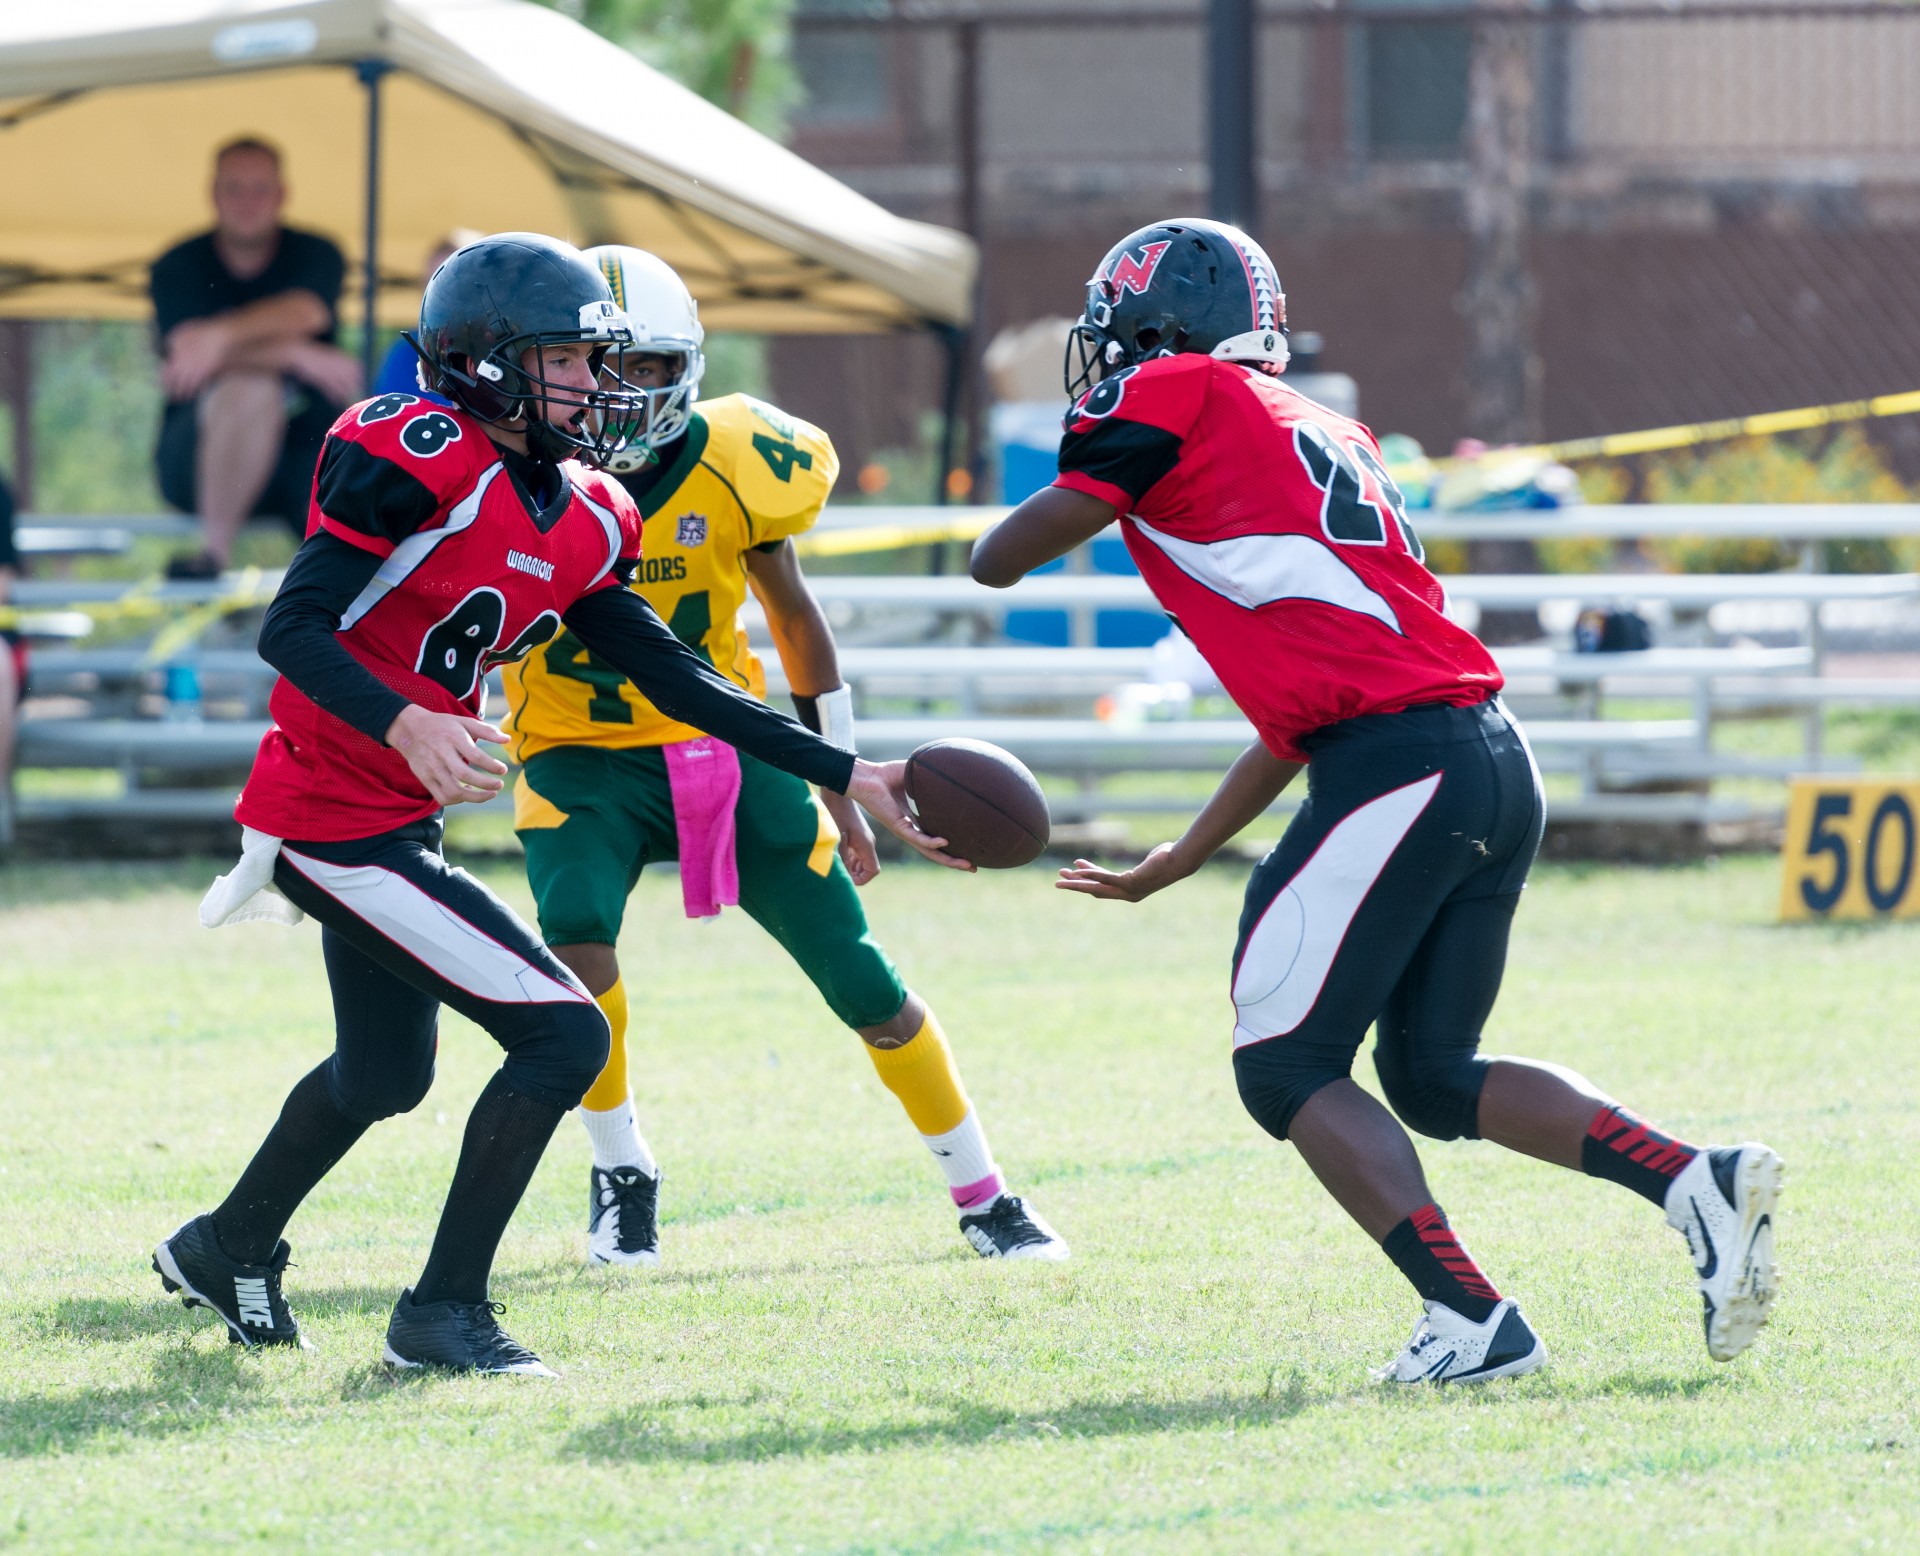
(746, 475)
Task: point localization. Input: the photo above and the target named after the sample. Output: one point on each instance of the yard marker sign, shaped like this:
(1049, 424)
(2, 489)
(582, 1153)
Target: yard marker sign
(1850, 849)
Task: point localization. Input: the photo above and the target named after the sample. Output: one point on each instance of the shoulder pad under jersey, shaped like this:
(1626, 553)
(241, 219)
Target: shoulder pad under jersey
(394, 465)
(437, 444)
(781, 468)
(1165, 392)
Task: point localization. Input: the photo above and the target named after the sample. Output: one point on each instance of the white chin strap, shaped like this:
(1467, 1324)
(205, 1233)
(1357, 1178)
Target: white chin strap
(1254, 346)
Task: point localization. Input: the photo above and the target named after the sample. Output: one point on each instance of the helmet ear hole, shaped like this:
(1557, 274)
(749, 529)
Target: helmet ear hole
(1146, 342)
(481, 396)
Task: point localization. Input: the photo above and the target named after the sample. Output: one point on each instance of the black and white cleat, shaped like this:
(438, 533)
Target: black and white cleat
(623, 1217)
(1448, 1347)
(246, 1297)
(1007, 1229)
(1725, 1200)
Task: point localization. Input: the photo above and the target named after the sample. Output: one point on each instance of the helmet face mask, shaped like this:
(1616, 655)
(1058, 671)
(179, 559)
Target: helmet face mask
(664, 409)
(491, 314)
(1092, 354)
(1173, 287)
(664, 322)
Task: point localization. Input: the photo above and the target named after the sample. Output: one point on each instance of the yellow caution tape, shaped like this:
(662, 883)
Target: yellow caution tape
(1618, 445)
(184, 631)
(890, 537)
(1659, 439)
(142, 603)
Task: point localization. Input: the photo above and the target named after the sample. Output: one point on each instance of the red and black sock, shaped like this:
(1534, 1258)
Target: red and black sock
(1631, 1152)
(1430, 1256)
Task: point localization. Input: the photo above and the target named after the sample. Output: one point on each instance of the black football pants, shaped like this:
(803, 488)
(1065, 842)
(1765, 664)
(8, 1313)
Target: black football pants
(1388, 900)
(405, 933)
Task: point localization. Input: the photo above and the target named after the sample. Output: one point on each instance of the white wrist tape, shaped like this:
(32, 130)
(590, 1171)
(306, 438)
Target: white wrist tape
(836, 718)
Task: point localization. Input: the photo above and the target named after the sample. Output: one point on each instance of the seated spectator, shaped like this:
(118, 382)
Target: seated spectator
(13, 665)
(245, 316)
(399, 371)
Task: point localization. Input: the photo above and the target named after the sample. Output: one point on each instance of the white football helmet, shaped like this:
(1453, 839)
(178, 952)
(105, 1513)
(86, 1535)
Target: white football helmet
(665, 322)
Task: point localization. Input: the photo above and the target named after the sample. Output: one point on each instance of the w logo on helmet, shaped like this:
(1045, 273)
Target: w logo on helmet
(1134, 273)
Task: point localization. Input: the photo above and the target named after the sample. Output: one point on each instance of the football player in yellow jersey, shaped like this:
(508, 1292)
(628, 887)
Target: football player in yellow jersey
(608, 782)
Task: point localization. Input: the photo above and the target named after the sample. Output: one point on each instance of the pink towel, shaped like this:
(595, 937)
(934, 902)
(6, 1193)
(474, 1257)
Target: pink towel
(704, 775)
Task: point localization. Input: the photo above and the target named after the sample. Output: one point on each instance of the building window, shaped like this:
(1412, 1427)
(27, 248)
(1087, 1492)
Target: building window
(1414, 78)
(845, 73)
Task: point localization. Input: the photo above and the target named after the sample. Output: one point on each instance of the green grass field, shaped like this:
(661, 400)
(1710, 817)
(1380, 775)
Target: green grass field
(822, 1365)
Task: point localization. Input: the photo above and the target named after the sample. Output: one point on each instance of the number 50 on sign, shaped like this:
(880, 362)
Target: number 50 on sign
(1850, 849)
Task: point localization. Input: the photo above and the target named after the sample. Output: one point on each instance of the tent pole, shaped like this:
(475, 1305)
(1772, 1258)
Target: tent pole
(370, 72)
(954, 338)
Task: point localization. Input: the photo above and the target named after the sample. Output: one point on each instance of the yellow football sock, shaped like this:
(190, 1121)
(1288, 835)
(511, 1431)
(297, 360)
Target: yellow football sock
(610, 1090)
(921, 1073)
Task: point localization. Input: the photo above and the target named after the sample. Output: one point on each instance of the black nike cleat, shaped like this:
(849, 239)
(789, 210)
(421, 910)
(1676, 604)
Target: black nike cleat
(1006, 1229)
(246, 1297)
(622, 1225)
(459, 1336)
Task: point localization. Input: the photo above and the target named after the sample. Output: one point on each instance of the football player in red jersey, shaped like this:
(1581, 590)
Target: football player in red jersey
(1270, 530)
(442, 543)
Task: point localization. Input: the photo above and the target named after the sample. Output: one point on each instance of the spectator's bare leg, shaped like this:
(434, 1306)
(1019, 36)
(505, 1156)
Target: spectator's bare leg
(243, 422)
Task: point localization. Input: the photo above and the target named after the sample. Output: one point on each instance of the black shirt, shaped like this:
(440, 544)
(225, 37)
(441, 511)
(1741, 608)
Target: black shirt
(190, 281)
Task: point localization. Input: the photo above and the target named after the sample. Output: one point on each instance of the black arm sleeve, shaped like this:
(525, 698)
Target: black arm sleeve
(297, 637)
(624, 630)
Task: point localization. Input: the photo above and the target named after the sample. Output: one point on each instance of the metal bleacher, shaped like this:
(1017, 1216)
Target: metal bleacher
(926, 657)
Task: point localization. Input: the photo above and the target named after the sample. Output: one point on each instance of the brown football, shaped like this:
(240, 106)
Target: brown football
(981, 799)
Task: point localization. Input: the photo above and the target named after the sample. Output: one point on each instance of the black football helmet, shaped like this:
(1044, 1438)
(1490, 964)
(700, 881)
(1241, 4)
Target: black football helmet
(496, 299)
(1182, 285)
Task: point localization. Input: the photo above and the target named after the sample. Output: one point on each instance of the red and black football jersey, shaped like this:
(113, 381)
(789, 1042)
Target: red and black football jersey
(474, 573)
(1270, 530)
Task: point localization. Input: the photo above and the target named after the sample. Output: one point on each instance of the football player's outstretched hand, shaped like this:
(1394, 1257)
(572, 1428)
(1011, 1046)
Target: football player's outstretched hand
(443, 751)
(1159, 869)
(882, 788)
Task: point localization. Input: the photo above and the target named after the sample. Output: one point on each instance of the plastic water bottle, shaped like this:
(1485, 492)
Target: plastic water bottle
(183, 693)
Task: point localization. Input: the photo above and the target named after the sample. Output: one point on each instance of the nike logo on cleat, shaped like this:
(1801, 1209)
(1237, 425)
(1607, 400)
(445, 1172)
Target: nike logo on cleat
(1713, 1258)
(1752, 1274)
(250, 1296)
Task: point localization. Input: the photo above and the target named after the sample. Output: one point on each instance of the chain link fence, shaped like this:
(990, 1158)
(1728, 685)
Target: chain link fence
(1718, 205)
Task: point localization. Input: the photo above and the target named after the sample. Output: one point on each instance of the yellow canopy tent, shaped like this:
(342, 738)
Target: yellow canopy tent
(402, 119)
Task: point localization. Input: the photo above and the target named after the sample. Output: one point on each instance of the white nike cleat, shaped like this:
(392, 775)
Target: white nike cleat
(1447, 1347)
(1010, 1229)
(1724, 1201)
(623, 1217)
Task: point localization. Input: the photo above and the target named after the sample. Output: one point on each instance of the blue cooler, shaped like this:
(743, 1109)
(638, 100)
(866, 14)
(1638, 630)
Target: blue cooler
(1026, 440)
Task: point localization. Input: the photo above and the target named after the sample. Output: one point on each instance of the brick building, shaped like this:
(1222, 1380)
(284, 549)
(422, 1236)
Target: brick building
(1721, 202)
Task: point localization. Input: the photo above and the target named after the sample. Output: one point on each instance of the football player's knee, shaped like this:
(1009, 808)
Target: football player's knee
(367, 1094)
(1437, 1096)
(576, 908)
(861, 987)
(1278, 1076)
(563, 1056)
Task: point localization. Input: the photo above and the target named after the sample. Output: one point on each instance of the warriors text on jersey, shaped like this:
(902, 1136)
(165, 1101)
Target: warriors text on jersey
(1269, 529)
(475, 573)
(745, 475)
